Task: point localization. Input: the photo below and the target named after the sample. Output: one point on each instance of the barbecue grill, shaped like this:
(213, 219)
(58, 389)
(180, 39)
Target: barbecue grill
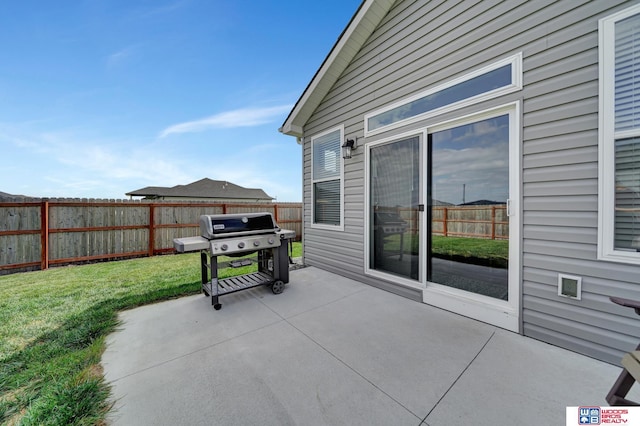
(387, 224)
(390, 223)
(237, 235)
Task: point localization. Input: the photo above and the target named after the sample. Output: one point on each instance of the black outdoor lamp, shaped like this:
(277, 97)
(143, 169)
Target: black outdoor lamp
(349, 145)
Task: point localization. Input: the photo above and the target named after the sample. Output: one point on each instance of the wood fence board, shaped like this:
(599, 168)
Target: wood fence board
(81, 230)
(18, 249)
(15, 218)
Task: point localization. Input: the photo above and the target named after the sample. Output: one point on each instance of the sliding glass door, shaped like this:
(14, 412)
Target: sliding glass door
(468, 189)
(441, 214)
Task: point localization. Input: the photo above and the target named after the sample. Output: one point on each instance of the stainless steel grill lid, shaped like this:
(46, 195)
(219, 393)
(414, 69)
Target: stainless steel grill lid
(229, 225)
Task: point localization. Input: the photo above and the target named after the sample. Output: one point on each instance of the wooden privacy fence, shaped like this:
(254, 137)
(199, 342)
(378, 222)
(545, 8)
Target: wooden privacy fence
(488, 221)
(37, 234)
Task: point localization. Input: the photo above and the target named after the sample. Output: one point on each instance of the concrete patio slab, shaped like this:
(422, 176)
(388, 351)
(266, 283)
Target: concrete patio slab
(411, 351)
(158, 333)
(312, 288)
(515, 378)
(271, 376)
(332, 351)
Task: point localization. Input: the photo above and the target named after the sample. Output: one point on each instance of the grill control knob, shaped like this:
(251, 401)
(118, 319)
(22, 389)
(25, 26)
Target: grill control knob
(256, 243)
(241, 244)
(271, 240)
(224, 247)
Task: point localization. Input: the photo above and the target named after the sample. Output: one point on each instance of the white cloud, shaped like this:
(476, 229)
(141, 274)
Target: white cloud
(483, 170)
(64, 164)
(246, 117)
(121, 164)
(72, 163)
(122, 55)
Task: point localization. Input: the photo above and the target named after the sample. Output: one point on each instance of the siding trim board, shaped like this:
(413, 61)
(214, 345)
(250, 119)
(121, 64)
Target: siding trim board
(403, 49)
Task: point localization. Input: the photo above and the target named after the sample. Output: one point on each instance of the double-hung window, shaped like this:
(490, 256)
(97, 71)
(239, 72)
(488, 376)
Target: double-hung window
(619, 144)
(326, 180)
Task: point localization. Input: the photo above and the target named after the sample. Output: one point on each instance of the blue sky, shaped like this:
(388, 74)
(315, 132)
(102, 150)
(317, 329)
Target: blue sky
(102, 97)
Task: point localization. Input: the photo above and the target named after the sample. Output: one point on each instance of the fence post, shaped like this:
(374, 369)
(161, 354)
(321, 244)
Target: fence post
(44, 235)
(493, 222)
(152, 231)
(445, 216)
(275, 213)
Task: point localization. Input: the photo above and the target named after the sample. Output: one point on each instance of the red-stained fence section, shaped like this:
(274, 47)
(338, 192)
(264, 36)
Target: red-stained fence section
(38, 234)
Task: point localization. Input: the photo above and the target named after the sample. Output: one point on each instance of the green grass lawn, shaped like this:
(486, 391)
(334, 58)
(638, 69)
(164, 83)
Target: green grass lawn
(460, 247)
(471, 247)
(53, 324)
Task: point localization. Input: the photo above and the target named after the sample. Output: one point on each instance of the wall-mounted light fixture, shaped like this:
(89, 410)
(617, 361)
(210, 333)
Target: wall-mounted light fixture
(349, 145)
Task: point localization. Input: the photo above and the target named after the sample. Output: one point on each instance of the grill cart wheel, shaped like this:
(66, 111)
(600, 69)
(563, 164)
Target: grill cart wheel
(217, 306)
(277, 287)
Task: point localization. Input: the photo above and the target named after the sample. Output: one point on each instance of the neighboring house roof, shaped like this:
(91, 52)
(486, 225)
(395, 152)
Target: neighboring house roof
(441, 203)
(5, 196)
(482, 203)
(11, 197)
(203, 188)
(361, 26)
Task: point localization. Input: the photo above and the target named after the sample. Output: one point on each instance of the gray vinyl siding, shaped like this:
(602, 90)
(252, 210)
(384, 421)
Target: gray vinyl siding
(420, 45)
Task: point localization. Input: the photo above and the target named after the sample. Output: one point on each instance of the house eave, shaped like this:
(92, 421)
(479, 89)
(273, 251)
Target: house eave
(361, 26)
(291, 130)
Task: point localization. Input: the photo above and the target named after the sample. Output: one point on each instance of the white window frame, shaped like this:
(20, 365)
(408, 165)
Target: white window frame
(606, 141)
(516, 85)
(339, 227)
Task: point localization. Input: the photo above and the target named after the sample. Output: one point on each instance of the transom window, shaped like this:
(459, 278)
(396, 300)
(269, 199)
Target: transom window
(494, 80)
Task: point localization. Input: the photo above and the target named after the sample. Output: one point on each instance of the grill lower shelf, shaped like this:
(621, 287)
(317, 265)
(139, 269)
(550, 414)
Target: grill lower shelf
(242, 282)
(272, 266)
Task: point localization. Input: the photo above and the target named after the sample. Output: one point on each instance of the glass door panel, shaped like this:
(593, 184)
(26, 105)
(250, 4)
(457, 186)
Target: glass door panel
(394, 198)
(468, 226)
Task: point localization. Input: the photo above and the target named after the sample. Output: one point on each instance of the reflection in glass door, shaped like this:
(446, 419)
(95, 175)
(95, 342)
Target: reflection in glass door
(467, 192)
(394, 197)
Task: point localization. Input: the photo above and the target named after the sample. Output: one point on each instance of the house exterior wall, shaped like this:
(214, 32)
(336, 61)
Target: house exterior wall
(419, 45)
